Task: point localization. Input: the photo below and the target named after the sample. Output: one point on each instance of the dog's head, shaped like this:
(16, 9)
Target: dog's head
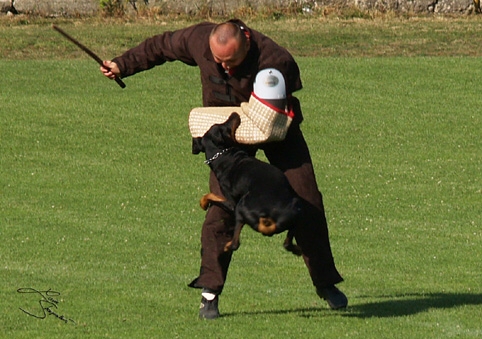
(218, 137)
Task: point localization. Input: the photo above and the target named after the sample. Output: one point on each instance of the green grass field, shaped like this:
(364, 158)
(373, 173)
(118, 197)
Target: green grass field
(99, 201)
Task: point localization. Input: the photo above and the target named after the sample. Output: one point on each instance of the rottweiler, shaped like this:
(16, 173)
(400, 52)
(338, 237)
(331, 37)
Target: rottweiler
(255, 192)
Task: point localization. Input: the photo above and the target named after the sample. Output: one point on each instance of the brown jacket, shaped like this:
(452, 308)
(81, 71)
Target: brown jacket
(191, 46)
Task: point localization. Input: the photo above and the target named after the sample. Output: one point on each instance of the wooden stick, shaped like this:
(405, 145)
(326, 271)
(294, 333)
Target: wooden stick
(89, 52)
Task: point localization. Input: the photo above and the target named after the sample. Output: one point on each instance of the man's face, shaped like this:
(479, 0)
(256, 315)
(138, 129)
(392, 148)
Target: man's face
(229, 55)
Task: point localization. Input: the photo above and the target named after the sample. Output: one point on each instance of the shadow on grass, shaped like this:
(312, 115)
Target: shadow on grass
(411, 304)
(396, 306)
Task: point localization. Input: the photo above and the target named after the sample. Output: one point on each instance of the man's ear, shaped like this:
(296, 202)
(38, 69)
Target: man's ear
(197, 146)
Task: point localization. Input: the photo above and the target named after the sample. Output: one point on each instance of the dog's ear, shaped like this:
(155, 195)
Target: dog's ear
(197, 146)
(234, 122)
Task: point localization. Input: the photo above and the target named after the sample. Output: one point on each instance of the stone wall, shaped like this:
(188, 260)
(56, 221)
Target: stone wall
(418, 6)
(89, 7)
(54, 7)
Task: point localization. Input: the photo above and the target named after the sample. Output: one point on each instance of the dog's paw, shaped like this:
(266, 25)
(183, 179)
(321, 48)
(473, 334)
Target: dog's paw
(204, 203)
(231, 246)
(227, 247)
(209, 199)
(295, 249)
(291, 247)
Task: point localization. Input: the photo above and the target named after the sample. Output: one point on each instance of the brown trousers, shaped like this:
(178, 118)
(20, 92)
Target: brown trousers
(293, 158)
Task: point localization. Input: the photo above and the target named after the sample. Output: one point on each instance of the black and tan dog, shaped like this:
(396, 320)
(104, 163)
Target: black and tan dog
(257, 193)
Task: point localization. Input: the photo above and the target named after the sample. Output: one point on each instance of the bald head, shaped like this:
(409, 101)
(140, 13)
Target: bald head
(226, 31)
(228, 44)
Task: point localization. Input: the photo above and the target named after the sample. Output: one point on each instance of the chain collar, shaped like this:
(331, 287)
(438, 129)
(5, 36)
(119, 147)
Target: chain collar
(215, 156)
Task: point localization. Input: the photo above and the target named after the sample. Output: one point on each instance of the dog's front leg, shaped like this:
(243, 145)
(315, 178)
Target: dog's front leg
(233, 245)
(209, 198)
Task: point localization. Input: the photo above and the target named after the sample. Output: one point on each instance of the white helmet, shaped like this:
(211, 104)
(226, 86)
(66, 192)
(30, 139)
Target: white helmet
(270, 84)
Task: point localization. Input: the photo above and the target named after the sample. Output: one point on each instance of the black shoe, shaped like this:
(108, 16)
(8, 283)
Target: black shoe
(209, 309)
(333, 296)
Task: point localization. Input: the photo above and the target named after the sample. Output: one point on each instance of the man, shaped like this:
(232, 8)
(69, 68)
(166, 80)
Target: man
(229, 56)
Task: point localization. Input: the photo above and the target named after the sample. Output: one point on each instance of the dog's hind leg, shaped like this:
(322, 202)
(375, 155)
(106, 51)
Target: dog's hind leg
(209, 198)
(233, 245)
(290, 246)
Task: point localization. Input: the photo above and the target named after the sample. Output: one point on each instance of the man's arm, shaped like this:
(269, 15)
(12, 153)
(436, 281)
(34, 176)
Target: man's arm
(185, 45)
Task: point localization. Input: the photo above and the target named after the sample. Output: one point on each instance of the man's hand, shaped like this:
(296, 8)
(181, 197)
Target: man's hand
(110, 69)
